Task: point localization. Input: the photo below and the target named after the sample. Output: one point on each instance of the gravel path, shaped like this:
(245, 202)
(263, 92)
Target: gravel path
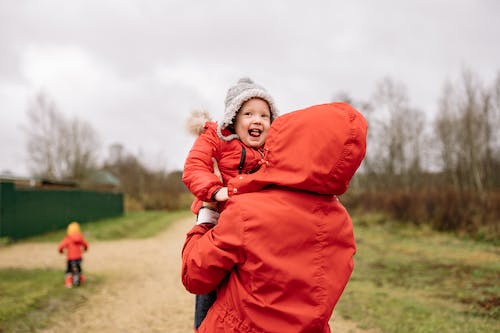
(142, 291)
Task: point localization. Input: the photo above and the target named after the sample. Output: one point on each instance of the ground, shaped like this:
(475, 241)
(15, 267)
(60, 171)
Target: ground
(142, 289)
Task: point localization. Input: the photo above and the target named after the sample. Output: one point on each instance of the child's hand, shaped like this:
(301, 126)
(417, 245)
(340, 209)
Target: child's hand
(221, 194)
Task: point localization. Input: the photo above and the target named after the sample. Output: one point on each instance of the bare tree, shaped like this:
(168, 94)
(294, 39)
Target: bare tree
(80, 150)
(396, 135)
(45, 123)
(473, 126)
(491, 112)
(446, 135)
(59, 148)
(465, 128)
(413, 135)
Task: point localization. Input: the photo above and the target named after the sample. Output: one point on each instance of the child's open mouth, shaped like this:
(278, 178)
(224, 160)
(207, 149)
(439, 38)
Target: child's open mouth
(255, 132)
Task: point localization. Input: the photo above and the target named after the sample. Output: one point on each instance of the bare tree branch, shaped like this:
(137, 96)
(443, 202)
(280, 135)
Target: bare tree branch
(59, 148)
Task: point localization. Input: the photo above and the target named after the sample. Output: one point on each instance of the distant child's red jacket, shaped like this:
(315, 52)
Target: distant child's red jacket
(73, 244)
(233, 157)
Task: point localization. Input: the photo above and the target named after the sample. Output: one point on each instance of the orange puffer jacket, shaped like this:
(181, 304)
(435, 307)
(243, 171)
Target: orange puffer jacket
(198, 173)
(282, 251)
(73, 244)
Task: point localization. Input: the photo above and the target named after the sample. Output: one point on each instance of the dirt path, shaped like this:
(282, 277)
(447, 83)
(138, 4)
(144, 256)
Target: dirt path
(142, 291)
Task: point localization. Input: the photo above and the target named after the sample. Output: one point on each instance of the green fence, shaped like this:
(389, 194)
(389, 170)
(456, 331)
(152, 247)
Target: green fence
(27, 212)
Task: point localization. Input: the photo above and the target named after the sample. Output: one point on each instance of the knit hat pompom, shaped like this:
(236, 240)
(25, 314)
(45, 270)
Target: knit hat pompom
(244, 90)
(196, 121)
(246, 80)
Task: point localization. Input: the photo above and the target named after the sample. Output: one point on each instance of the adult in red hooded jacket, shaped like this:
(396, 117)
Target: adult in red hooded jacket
(282, 251)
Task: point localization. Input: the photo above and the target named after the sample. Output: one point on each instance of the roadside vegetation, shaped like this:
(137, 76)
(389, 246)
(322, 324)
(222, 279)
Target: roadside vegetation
(412, 279)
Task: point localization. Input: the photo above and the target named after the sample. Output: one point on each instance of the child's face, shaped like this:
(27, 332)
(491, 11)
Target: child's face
(253, 122)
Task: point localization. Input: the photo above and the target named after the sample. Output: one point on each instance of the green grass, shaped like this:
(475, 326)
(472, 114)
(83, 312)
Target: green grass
(131, 225)
(411, 279)
(29, 297)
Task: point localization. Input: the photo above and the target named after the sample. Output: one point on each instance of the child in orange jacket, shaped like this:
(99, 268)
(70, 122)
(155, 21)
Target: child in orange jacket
(236, 146)
(74, 242)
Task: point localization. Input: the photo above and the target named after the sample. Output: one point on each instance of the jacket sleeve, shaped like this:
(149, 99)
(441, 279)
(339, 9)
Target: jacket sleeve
(198, 173)
(62, 245)
(209, 254)
(85, 244)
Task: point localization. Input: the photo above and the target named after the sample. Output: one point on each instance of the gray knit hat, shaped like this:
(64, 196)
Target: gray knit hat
(236, 96)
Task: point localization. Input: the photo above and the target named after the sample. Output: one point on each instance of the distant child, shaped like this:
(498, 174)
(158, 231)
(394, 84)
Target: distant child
(74, 242)
(222, 151)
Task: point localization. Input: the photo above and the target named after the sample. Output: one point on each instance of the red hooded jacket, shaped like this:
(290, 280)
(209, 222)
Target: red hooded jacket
(198, 173)
(282, 251)
(73, 244)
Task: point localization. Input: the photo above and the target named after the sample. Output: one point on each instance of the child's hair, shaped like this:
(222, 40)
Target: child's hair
(73, 228)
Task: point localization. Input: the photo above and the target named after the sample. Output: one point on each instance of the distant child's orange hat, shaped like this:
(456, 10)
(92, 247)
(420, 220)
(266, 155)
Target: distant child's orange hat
(73, 228)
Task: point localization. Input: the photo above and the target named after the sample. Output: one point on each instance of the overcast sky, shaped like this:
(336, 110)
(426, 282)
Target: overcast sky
(134, 69)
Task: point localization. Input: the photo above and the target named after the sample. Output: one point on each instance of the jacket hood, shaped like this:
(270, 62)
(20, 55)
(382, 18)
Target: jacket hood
(317, 149)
